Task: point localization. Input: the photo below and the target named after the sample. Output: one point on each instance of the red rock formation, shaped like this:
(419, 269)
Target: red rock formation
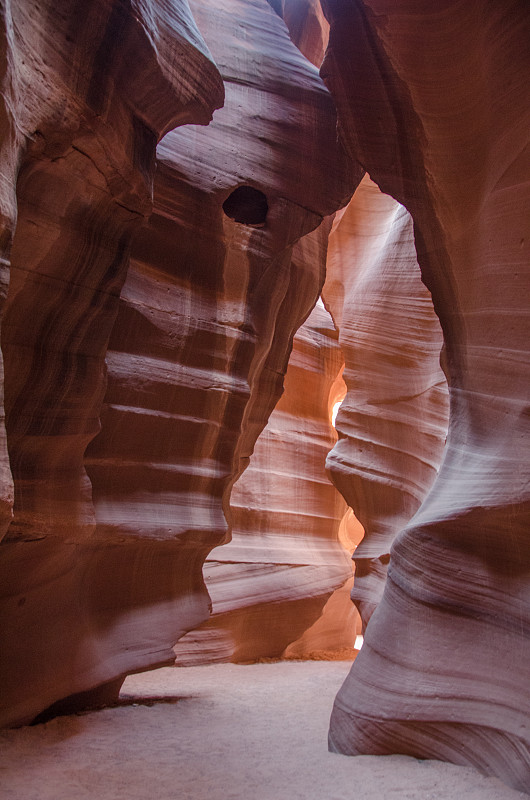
(271, 582)
(307, 26)
(209, 309)
(101, 569)
(86, 97)
(333, 635)
(392, 423)
(434, 102)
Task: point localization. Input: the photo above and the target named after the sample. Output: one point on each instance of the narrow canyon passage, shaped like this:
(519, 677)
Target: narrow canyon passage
(218, 217)
(223, 732)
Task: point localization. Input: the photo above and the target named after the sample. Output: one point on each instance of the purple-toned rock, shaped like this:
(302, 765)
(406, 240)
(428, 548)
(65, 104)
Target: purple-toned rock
(434, 102)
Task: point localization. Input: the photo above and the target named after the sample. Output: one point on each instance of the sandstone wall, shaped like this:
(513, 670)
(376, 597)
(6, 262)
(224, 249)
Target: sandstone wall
(210, 306)
(101, 566)
(270, 583)
(137, 385)
(433, 101)
(83, 101)
(86, 98)
(392, 423)
(307, 26)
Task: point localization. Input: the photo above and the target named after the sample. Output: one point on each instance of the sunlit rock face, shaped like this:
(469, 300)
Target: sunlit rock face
(434, 102)
(334, 634)
(392, 423)
(270, 584)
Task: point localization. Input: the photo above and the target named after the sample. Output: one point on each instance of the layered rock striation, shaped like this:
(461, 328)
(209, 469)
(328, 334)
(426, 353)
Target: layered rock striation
(307, 26)
(86, 98)
(101, 565)
(270, 583)
(83, 102)
(434, 102)
(210, 306)
(137, 381)
(392, 424)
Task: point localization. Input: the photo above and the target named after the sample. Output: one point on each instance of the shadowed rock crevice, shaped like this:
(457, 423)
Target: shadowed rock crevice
(247, 205)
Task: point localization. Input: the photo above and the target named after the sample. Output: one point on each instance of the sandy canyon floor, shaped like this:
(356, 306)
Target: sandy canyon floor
(222, 732)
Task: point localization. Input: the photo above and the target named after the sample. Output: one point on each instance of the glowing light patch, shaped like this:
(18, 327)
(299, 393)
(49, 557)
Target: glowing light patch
(335, 412)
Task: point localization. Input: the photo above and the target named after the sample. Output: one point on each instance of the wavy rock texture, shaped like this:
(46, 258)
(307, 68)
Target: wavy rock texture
(307, 26)
(434, 101)
(207, 315)
(87, 95)
(270, 583)
(84, 98)
(392, 423)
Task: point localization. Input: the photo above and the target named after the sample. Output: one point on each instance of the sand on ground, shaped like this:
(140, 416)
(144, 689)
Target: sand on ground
(221, 732)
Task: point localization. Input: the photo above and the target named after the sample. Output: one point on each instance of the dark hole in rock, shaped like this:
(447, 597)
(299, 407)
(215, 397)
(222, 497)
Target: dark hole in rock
(247, 205)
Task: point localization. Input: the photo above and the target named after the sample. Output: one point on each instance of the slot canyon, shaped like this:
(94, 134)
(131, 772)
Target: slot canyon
(220, 222)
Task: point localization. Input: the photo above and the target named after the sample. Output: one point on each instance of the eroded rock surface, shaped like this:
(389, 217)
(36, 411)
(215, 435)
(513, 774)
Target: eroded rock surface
(392, 423)
(307, 26)
(87, 95)
(434, 102)
(84, 97)
(195, 361)
(101, 566)
(212, 300)
(270, 583)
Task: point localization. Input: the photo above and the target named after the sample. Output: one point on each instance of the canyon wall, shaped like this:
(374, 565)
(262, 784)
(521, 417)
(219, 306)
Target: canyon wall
(392, 423)
(83, 102)
(307, 26)
(86, 98)
(150, 296)
(270, 583)
(433, 101)
(175, 354)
